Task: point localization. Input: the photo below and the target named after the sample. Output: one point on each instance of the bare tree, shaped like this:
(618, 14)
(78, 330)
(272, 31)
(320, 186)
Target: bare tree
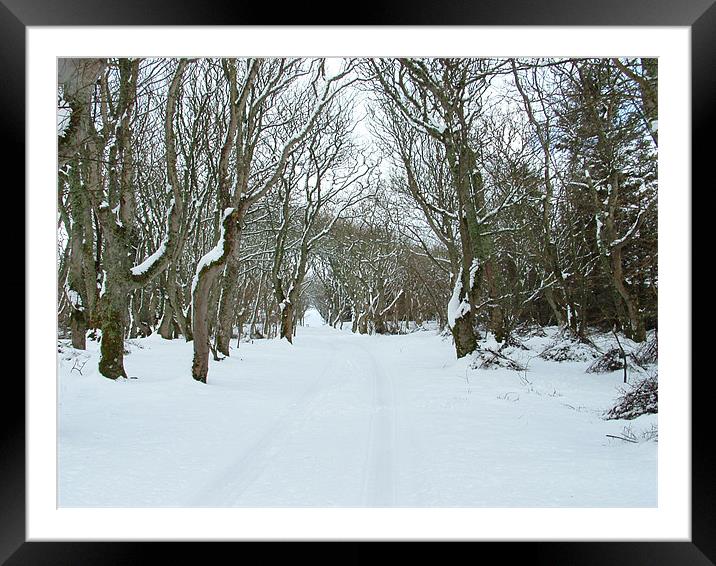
(245, 123)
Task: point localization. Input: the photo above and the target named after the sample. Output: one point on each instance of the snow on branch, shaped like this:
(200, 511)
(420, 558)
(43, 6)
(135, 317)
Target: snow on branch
(152, 260)
(74, 298)
(631, 232)
(157, 260)
(386, 310)
(215, 255)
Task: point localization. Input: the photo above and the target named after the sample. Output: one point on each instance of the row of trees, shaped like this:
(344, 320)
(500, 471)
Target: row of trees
(164, 167)
(531, 187)
(197, 197)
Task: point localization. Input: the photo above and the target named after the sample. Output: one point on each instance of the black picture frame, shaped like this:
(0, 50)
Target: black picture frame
(699, 15)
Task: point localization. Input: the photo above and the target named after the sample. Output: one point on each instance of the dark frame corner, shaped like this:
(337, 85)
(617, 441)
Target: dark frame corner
(700, 15)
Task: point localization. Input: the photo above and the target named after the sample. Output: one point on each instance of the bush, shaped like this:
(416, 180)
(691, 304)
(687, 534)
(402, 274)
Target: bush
(648, 353)
(569, 349)
(610, 361)
(512, 342)
(640, 399)
(488, 358)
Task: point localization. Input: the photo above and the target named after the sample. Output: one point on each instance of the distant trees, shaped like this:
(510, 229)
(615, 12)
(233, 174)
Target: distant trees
(326, 177)
(199, 198)
(443, 98)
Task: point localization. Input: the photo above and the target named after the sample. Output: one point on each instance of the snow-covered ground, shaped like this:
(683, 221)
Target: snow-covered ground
(343, 420)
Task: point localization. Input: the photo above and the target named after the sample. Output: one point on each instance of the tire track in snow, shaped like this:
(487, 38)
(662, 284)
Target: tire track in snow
(379, 482)
(226, 488)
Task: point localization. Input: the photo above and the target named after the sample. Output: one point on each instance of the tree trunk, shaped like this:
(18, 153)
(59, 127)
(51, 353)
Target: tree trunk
(379, 324)
(549, 296)
(287, 322)
(636, 320)
(227, 306)
(78, 328)
(240, 326)
(497, 319)
(464, 335)
(75, 277)
(267, 319)
(177, 305)
(363, 323)
(200, 324)
(464, 176)
(111, 363)
(463, 325)
(166, 325)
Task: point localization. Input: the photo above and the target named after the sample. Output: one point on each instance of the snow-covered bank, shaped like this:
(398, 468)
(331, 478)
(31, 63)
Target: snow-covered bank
(344, 420)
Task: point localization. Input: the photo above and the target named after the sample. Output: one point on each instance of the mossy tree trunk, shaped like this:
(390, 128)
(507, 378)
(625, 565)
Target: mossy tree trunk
(113, 308)
(464, 336)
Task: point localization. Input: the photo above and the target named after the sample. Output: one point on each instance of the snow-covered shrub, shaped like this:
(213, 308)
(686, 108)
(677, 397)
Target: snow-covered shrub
(611, 360)
(647, 353)
(529, 331)
(512, 342)
(569, 349)
(639, 399)
(487, 358)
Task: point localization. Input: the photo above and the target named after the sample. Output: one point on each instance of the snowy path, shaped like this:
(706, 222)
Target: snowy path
(380, 475)
(372, 429)
(340, 420)
(227, 488)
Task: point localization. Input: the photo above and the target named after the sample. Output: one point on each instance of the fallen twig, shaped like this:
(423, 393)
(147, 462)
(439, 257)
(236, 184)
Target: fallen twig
(622, 438)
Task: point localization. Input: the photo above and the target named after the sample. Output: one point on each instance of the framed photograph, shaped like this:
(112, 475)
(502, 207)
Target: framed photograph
(390, 281)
